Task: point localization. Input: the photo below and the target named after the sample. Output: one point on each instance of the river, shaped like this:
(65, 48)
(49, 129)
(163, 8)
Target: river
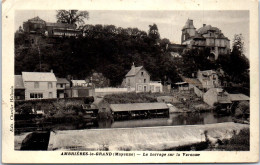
(173, 119)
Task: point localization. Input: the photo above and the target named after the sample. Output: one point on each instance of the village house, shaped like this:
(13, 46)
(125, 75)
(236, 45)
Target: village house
(19, 89)
(220, 96)
(62, 84)
(205, 80)
(208, 79)
(39, 85)
(80, 88)
(216, 95)
(79, 83)
(138, 78)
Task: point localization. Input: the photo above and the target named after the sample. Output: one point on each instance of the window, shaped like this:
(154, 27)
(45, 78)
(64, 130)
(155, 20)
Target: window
(50, 94)
(36, 95)
(49, 85)
(142, 73)
(61, 85)
(36, 85)
(144, 80)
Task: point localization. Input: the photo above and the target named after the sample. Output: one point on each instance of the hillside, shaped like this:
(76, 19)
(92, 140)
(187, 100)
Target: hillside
(108, 52)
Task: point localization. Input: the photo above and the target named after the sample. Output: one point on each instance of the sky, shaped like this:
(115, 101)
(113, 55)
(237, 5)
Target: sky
(169, 22)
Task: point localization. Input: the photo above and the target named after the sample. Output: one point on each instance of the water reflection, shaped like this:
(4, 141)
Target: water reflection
(174, 119)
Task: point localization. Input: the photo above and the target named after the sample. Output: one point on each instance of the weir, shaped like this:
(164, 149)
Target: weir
(141, 138)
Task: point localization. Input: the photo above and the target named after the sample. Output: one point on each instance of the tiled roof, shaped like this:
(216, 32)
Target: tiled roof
(206, 28)
(62, 81)
(38, 76)
(18, 82)
(137, 106)
(188, 25)
(238, 97)
(134, 71)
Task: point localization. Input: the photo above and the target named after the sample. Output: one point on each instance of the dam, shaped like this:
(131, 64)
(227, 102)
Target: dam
(141, 138)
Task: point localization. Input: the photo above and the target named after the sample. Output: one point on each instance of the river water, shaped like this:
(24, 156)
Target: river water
(174, 119)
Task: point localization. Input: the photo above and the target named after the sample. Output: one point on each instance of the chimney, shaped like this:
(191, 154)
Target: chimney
(51, 71)
(133, 67)
(204, 25)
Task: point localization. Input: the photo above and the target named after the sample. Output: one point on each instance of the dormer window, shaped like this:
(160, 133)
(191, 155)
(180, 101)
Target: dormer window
(142, 73)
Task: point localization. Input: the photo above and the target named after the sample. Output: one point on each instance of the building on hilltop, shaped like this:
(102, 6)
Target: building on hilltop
(206, 36)
(38, 26)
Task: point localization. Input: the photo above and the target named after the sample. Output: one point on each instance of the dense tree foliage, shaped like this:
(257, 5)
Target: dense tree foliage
(106, 49)
(193, 60)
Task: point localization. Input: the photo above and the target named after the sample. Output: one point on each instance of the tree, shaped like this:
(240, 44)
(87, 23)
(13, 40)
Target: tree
(153, 32)
(72, 16)
(239, 62)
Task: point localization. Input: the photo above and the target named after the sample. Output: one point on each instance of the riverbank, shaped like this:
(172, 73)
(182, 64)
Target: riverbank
(142, 138)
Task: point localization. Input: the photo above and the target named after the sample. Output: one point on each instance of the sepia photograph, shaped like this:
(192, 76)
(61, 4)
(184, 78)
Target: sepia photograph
(131, 83)
(81, 75)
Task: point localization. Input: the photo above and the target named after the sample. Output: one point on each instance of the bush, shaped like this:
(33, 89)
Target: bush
(24, 108)
(242, 109)
(238, 142)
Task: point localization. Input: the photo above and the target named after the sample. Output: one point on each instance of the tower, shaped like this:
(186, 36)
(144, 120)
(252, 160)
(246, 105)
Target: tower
(188, 31)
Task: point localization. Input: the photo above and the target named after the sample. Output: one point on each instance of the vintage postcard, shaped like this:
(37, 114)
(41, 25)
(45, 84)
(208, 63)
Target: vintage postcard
(130, 81)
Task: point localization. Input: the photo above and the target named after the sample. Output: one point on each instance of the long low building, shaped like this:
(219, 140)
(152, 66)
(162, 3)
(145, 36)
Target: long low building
(139, 110)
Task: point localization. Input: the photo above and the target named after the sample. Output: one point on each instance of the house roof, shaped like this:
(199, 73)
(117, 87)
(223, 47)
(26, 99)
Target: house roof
(18, 82)
(238, 97)
(62, 81)
(193, 81)
(38, 76)
(61, 25)
(188, 25)
(134, 70)
(207, 28)
(137, 106)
